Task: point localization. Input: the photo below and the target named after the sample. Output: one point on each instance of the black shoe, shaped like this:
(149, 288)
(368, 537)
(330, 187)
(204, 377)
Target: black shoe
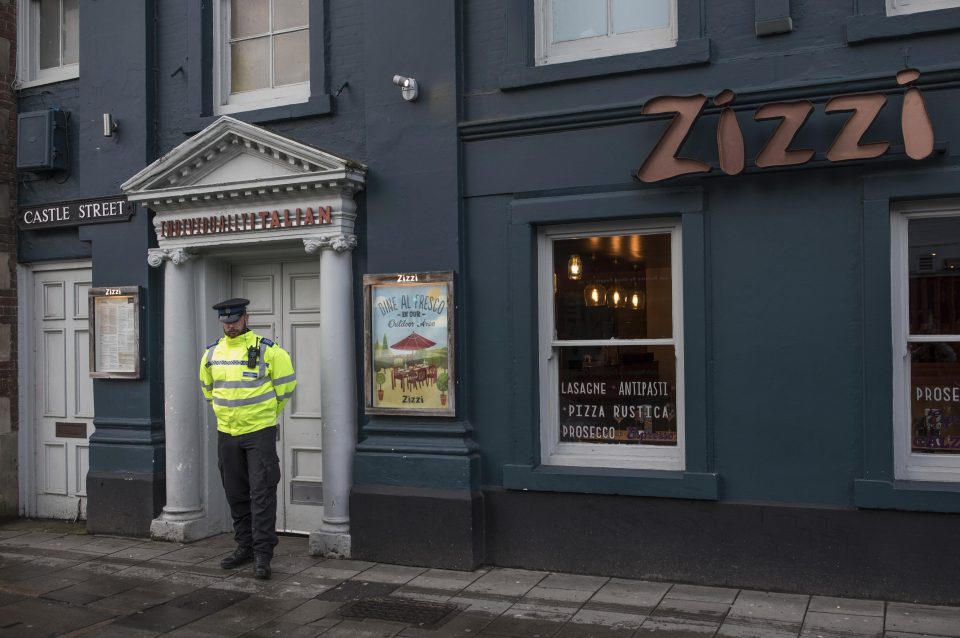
(240, 556)
(261, 566)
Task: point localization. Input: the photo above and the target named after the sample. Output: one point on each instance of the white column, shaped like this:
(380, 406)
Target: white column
(184, 511)
(338, 395)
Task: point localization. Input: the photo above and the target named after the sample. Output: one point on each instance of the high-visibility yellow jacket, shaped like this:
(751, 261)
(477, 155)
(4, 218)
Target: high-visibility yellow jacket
(246, 399)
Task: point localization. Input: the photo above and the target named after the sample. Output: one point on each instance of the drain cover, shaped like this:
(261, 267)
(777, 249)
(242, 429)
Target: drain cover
(414, 612)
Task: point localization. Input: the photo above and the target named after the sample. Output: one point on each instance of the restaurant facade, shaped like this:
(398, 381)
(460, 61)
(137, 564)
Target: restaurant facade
(656, 291)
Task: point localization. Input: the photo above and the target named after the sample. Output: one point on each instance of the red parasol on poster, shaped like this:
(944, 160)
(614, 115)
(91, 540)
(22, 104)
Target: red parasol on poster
(413, 342)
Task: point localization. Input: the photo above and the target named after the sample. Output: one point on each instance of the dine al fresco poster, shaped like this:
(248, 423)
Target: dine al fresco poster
(409, 343)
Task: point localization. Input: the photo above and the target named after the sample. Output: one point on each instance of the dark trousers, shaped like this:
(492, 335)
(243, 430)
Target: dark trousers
(250, 471)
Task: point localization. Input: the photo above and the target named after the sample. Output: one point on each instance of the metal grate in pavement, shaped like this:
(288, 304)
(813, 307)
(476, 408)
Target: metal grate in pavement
(406, 610)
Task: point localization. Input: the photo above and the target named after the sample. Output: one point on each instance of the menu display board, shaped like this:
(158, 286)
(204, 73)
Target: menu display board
(408, 344)
(115, 331)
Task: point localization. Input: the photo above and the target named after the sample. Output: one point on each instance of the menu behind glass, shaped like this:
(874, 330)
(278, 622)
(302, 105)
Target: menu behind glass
(934, 272)
(609, 293)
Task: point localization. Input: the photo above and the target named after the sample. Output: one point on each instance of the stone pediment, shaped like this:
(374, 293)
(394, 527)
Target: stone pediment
(231, 158)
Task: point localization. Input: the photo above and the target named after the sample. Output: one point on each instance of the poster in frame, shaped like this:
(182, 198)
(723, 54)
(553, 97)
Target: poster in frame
(408, 352)
(114, 318)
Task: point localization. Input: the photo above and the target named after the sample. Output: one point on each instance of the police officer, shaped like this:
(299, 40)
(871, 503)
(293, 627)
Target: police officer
(248, 379)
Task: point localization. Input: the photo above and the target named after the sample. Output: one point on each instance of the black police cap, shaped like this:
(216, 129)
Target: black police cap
(231, 310)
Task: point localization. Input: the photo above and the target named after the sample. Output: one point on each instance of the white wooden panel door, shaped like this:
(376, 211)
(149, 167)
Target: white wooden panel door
(285, 307)
(62, 391)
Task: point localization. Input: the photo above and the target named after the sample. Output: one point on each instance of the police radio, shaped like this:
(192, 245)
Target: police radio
(253, 353)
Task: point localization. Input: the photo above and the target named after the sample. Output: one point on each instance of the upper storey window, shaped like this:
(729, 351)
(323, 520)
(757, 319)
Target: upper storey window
(50, 42)
(264, 53)
(570, 30)
(902, 7)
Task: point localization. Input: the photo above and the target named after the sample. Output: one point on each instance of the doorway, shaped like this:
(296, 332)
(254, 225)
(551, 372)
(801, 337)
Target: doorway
(285, 307)
(59, 410)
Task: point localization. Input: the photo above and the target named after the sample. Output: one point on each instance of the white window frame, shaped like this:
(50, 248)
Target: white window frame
(905, 7)
(909, 465)
(28, 53)
(554, 452)
(548, 52)
(224, 101)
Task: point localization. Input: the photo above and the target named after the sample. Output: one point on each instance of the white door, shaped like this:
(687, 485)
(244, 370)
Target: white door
(61, 390)
(285, 307)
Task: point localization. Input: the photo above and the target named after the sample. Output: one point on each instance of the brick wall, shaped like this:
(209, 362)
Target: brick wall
(8, 259)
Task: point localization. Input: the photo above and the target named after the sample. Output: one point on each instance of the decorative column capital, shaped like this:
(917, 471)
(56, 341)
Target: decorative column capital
(339, 243)
(156, 256)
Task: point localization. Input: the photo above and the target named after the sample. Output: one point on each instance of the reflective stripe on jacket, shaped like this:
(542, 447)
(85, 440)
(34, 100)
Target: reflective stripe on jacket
(246, 399)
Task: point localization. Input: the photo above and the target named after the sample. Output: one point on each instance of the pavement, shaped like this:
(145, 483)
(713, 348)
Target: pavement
(55, 580)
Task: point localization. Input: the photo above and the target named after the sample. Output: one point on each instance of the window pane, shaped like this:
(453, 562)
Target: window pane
(290, 13)
(934, 267)
(934, 398)
(249, 17)
(575, 19)
(49, 34)
(611, 394)
(631, 15)
(71, 32)
(292, 58)
(624, 289)
(250, 65)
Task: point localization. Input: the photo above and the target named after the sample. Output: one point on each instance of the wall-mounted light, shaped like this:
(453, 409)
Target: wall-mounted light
(109, 125)
(409, 88)
(574, 268)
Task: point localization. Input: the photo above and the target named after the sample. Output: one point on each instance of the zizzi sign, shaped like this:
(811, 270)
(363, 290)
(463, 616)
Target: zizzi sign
(74, 213)
(664, 162)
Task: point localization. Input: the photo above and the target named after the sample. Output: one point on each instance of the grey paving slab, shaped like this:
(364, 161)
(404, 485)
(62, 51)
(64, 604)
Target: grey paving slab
(525, 626)
(147, 571)
(107, 585)
(298, 587)
(367, 628)
(113, 630)
(40, 585)
(189, 555)
(445, 579)
(571, 630)
(161, 619)
(472, 604)
(323, 570)
(293, 564)
(459, 625)
(310, 611)
(236, 619)
(853, 606)
(901, 634)
(841, 625)
(630, 593)
(25, 571)
(10, 533)
(7, 598)
(30, 538)
(757, 628)
(71, 596)
(34, 616)
(140, 598)
(66, 542)
(106, 545)
(506, 582)
(553, 610)
(292, 546)
(352, 590)
(683, 609)
(610, 619)
(197, 581)
(138, 553)
(574, 581)
(704, 594)
(396, 574)
(98, 567)
(787, 608)
(675, 629)
(431, 595)
(923, 619)
(278, 629)
(242, 582)
(560, 595)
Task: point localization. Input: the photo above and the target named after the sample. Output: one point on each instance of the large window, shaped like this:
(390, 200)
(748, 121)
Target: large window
(901, 7)
(263, 57)
(611, 372)
(926, 259)
(580, 29)
(49, 40)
